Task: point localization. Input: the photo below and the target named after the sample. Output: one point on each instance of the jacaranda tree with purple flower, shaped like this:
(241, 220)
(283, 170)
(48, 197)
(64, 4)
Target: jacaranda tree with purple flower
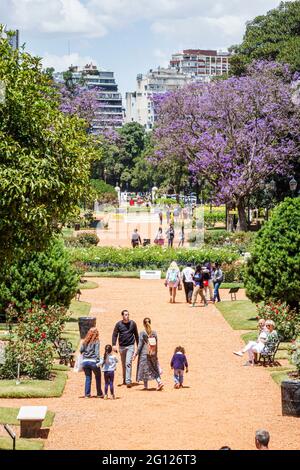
(80, 101)
(234, 133)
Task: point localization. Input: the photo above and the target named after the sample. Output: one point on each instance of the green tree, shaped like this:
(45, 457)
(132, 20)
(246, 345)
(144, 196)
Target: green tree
(273, 271)
(46, 276)
(274, 36)
(45, 155)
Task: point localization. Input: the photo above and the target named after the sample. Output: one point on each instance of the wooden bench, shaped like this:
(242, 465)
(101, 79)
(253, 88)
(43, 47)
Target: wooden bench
(31, 418)
(65, 351)
(268, 357)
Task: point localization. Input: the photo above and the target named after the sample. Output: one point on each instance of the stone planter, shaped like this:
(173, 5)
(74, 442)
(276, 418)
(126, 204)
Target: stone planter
(290, 397)
(85, 323)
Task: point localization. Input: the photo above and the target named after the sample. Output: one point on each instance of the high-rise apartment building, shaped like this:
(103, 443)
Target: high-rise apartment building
(201, 64)
(139, 105)
(110, 112)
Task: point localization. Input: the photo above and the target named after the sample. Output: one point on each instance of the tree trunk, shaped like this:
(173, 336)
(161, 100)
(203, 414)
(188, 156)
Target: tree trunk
(242, 223)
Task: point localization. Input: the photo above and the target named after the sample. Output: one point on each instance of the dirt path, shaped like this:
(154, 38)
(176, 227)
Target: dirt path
(223, 403)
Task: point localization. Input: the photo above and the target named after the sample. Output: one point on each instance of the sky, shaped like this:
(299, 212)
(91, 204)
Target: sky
(126, 36)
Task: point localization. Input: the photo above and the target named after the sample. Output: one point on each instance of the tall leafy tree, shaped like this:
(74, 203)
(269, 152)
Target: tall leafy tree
(273, 271)
(233, 133)
(45, 155)
(274, 36)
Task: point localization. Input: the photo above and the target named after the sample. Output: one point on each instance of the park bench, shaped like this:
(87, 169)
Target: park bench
(31, 418)
(268, 357)
(65, 351)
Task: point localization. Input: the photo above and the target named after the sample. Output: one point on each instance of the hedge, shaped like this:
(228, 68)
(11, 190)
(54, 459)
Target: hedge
(129, 259)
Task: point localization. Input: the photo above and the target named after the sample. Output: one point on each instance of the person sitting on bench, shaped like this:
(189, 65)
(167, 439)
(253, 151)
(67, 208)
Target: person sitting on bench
(255, 347)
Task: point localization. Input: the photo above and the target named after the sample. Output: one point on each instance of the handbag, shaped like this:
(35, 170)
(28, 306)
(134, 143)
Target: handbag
(78, 367)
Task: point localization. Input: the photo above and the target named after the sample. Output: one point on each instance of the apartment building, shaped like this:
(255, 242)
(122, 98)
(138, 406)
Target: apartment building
(110, 113)
(139, 105)
(201, 64)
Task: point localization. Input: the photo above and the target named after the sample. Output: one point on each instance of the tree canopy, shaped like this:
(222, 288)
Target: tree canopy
(45, 155)
(273, 271)
(274, 36)
(234, 133)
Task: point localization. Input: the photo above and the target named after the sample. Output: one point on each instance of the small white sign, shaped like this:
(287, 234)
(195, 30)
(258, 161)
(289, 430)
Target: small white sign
(2, 352)
(32, 413)
(150, 274)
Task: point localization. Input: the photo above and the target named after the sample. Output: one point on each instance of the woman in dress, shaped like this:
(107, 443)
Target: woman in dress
(148, 366)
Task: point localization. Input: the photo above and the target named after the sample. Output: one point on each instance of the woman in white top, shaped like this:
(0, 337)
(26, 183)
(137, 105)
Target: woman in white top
(173, 280)
(255, 347)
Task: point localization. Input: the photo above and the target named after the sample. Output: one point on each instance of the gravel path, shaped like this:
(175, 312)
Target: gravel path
(222, 403)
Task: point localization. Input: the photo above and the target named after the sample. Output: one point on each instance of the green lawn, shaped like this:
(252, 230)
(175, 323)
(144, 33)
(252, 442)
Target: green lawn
(88, 285)
(34, 388)
(9, 416)
(21, 444)
(240, 314)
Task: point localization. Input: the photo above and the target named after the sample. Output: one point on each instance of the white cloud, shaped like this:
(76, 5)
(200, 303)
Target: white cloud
(97, 17)
(62, 63)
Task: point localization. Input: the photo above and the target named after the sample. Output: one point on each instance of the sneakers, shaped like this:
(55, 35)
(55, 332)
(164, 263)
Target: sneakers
(238, 353)
(105, 397)
(192, 305)
(176, 386)
(113, 397)
(160, 386)
(248, 364)
(128, 385)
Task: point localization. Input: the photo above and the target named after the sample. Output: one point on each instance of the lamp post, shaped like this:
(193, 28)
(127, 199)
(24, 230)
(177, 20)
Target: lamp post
(293, 185)
(118, 191)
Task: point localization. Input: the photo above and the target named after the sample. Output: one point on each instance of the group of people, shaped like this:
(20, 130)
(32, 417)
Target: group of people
(148, 368)
(204, 281)
(267, 338)
(170, 235)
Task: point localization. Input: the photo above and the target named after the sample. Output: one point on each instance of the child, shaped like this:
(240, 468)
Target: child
(109, 365)
(178, 363)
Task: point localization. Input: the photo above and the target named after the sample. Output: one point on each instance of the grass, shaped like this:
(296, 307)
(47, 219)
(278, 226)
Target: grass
(67, 232)
(250, 336)
(130, 274)
(34, 388)
(279, 376)
(21, 444)
(9, 416)
(88, 285)
(241, 314)
(229, 285)
(79, 309)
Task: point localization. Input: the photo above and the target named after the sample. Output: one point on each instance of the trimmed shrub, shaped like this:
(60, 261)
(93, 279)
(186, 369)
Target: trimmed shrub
(131, 259)
(47, 276)
(272, 272)
(88, 239)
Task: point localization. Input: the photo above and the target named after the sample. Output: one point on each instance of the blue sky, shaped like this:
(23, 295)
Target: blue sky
(126, 36)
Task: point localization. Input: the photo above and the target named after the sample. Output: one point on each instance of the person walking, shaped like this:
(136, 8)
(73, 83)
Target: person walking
(135, 238)
(198, 286)
(178, 363)
(127, 333)
(90, 350)
(207, 283)
(187, 279)
(159, 238)
(109, 365)
(181, 236)
(160, 215)
(148, 366)
(173, 280)
(168, 214)
(217, 277)
(170, 236)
